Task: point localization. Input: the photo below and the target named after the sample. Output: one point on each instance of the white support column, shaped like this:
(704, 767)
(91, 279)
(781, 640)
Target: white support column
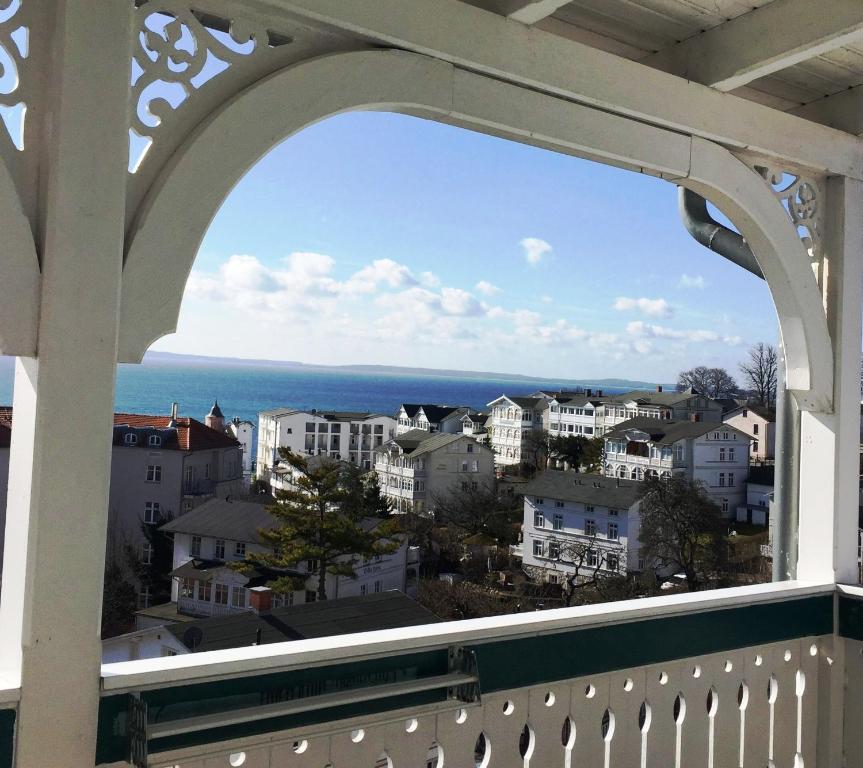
(829, 452)
(60, 456)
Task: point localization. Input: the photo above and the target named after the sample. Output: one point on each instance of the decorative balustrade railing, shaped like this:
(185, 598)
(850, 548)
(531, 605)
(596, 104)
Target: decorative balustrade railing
(731, 678)
(765, 675)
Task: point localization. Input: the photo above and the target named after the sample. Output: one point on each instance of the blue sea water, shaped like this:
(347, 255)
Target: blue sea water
(245, 390)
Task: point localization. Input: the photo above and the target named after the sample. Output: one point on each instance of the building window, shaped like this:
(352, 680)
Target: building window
(612, 531)
(722, 454)
(591, 559)
(205, 591)
(154, 473)
(464, 466)
(613, 562)
(195, 546)
(144, 597)
(221, 594)
(554, 550)
(590, 527)
(558, 522)
(754, 446)
(538, 519)
(155, 441)
(168, 651)
(311, 595)
(588, 507)
(151, 512)
(731, 454)
(238, 597)
(147, 553)
(725, 505)
(187, 588)
(130, 438)
(470, 447)
(219, 549)
(721, 479)
(540, 501)
(745, 413)
(240, 549)
(379, 586)
(363, 590)
(207, 471)
(537, 549)
(754, 429)
(730, 478)
(474, 467)
(613, 512)
(312, 566)
(558, 504)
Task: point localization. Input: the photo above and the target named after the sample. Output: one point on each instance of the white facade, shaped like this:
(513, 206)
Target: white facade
(348, 436)
(760, 425)
(715, 455)
(431, 418)
(412, 473)
(585, 518)
(512, 419)
(243, 432)
(215, 589)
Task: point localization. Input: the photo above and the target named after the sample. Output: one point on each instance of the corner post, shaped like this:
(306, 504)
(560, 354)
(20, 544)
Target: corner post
(61, 445)
(829, 450)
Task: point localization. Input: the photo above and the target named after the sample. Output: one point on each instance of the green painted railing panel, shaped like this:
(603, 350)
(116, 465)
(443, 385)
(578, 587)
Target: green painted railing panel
(501, 665)
(181, 702)
(7, 737)
(851, 617)
(596, 650)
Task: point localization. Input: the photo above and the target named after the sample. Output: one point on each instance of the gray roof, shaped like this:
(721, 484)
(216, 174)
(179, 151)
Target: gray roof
(237, 520)
(525, 402)
(666, 432)
(324, 414)
(385, 610)
(418, 441)
(768, 414)
(584, 488)
(652, 397)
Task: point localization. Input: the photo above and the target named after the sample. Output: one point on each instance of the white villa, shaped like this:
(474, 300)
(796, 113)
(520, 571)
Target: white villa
(760, 424)
(512, 419)
(575, 524)
(415, 467)
(431, 418)
(220, 532)
(714, 454)
(347, 435)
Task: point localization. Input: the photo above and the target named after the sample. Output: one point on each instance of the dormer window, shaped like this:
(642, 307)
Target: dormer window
(130, 438)
(155, 441)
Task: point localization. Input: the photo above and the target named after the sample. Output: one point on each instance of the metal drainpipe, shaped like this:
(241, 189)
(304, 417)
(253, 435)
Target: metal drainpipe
(785, 508)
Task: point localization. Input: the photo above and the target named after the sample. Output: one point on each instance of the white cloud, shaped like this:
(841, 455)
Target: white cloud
(486, 288)
(642, 330)
(430, 280)
(651, 307)
(694, 281)
(546, 300)
(535, 249)
(381, 271)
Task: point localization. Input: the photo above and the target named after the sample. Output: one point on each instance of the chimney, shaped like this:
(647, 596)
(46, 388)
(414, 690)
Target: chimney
(174, 407)
(659, 388)
(261, 600)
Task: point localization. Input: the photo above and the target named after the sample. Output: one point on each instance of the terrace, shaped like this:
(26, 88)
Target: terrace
(105, 193)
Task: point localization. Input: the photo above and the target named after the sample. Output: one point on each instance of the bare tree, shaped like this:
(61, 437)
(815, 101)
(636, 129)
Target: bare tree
(584, 562)
(714, 383)
(759, 373)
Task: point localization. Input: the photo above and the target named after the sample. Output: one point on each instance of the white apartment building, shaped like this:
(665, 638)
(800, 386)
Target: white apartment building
(593, 414)
(347, 435)
(713, 454)
(512, 419)
(760, 424)
(431, 418)
(222, 531)
(582, 519)
(242, 431)
(416, 467)
(477, 425)
(759, 493)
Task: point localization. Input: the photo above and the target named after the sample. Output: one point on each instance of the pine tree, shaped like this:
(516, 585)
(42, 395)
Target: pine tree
(375, 504)
(323, 519)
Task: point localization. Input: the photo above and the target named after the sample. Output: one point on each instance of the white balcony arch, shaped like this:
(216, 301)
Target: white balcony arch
(166, 232)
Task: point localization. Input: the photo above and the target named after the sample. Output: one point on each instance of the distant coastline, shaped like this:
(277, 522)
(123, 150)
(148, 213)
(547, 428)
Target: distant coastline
(392, 370)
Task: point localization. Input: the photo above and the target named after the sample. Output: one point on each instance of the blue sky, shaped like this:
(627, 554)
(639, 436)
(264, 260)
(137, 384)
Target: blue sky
(381, 238)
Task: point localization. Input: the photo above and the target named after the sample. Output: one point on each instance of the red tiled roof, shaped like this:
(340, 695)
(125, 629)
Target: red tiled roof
(192, 435)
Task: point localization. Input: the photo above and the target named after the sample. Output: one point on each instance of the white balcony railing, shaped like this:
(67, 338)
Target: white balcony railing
(733, 677)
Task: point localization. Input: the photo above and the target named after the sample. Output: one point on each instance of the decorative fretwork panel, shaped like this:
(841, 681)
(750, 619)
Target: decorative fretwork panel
(14, 54)
(178, 50)
(752, 706)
